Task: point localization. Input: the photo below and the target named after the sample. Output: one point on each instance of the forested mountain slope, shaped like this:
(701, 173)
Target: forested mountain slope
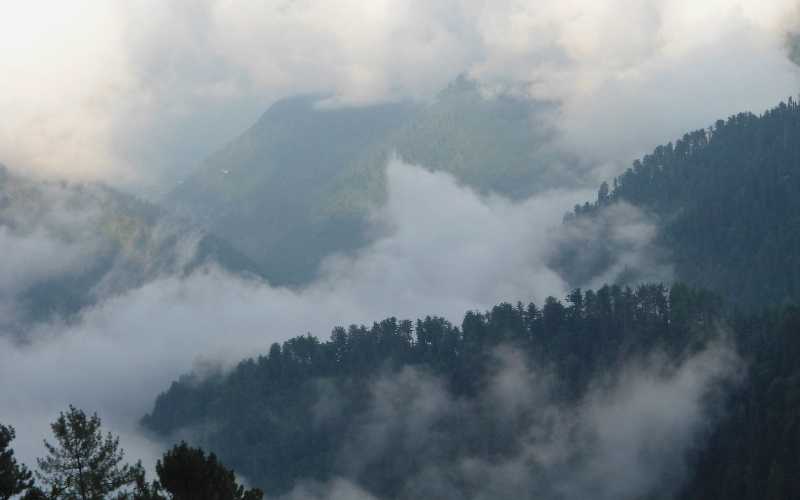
(428, 392)
(298, 184)
(427, 409)
(67, 245)
(727, 202)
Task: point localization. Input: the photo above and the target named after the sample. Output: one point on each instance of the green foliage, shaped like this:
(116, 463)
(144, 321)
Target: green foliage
(84, 464)
(15, 478)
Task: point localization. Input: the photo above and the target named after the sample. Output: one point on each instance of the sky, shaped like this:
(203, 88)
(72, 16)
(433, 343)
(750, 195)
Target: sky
(137, 93)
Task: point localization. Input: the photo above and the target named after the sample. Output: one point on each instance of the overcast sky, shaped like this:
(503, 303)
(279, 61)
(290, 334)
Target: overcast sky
(138, 92)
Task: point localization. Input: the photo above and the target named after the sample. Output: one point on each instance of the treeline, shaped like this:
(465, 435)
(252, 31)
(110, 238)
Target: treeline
(85, 464)
(263, 417)
(727, 199)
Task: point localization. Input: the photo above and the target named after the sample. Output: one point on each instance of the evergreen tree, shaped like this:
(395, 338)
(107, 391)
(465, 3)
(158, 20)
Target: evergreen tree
(602, 194)
(189, 474)
(83, 464)
(15, 478)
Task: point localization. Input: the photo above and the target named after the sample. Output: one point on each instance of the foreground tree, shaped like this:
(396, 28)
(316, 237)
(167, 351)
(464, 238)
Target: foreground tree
(189, 474)
(84, 464)
(15, 478)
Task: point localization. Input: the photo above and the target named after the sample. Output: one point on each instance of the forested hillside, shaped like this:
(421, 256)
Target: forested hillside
(312, 408)
(727, 202)
(297, 186)
(752, 452)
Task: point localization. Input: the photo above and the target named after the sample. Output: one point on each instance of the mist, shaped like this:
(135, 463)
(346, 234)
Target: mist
(147, 90)
(444, 250)
(618, 245)
(626, 438)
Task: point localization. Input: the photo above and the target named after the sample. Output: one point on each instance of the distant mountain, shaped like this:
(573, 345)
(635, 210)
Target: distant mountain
(727, 205)
(298, 184)
(65, 246)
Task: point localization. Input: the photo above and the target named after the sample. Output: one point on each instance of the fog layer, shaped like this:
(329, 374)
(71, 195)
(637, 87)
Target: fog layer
(443, 250)
(627, 438)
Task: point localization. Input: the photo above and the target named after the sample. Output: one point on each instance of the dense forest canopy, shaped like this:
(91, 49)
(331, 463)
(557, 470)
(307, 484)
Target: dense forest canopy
(727, 202)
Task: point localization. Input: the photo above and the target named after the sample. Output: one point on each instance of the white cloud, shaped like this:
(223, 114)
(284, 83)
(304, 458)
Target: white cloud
(138, 92)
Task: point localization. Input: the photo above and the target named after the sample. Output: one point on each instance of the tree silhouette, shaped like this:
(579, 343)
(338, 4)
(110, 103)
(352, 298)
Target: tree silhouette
(15, 478)
(189, 474)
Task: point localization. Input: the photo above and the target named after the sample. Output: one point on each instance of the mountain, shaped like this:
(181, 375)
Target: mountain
(67, 245)
(726, 201)
(407, 409)
(298, 185)
(268, 192)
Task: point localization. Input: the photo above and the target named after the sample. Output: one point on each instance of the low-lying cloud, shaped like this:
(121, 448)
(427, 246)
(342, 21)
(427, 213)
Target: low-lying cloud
(617, 243)
(444, 250)
(626, 438)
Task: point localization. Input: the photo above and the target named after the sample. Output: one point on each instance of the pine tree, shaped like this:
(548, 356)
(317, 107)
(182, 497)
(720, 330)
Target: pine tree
(602, 194)
(84, 464)
(189, 474)
(15, 478)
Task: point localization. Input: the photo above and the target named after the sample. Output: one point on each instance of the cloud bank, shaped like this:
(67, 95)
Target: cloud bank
(444, 250)
(138, 92)
(617, 244)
